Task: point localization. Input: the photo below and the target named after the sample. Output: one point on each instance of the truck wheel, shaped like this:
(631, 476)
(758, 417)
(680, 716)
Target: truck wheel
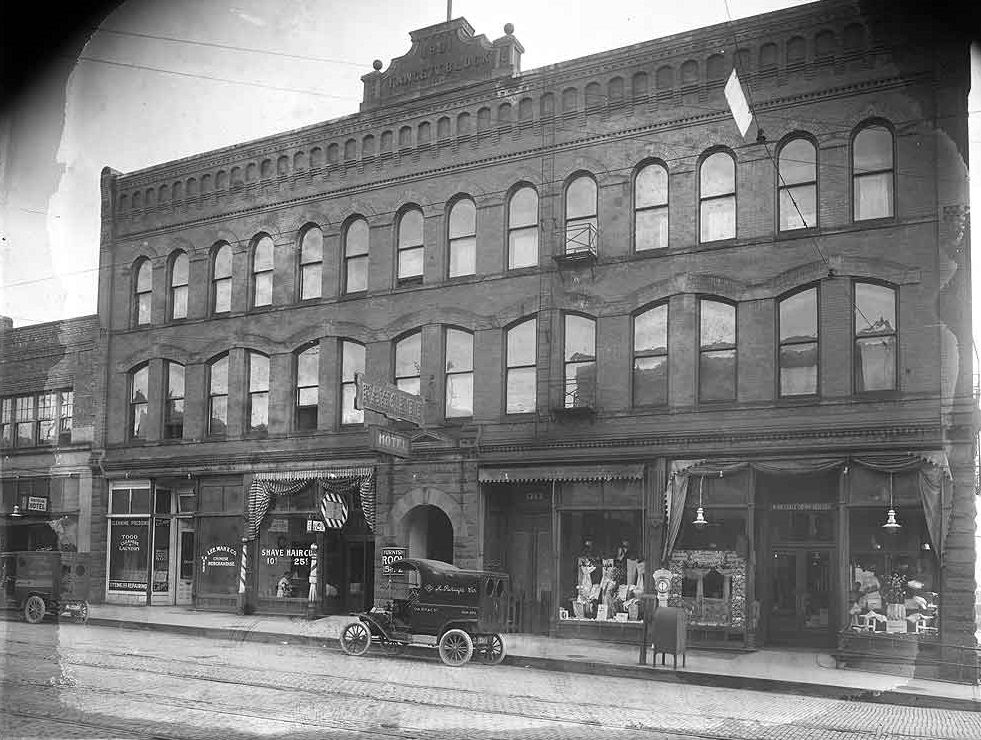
(455, 647)
(82, 615)
(34, 609)
(355, 638)
(496, 650)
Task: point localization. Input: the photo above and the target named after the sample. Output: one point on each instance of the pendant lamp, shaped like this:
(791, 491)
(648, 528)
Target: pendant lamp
(891, 526)
(700, 512)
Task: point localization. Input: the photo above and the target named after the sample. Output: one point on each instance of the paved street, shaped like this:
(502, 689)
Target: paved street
(72, 681)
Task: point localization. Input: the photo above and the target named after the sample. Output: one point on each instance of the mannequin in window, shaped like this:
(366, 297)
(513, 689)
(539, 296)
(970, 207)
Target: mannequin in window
(588, 573)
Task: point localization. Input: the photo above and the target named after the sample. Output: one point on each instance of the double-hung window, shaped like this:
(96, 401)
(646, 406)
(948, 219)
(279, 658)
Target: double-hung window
(797, 187)
(142, 292)
(307, 388)
(178, 286)
(174, 401)
(463, 238)
(410, 246)
(523, 228)
(262, 272)
(459, 373)
(650, 381)
(311, 263)
(356, 256)
(717, 198)
(221, 280)
(258, 411)
(408, 363)
(876, 337)
(139, 393)
(716, 351)
(218, 396)
(872, 173)
(798, 354)
(651, 208)
(520, 361)
(352, 363)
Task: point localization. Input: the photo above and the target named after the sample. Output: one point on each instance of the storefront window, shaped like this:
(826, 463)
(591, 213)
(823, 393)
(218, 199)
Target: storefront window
(285, 552)
(129, 543)
(219, 548)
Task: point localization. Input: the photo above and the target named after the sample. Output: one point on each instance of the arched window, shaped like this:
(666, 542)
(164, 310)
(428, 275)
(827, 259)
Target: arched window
(796, 51)
(463, 124)
(717, 197)
(311, 263)
(520, 391)
(547, 104)
(639, 85)
(463, 238)
(368, 146)
(580, 215)
(350, 150)
(405, 137)
(876, 337)
(798, 332)
(525, 110)
(262, 271)
(716, 351)
(352, 362)
(651, 207)
(221, 279)
(570, 100)
(408, 363)
(872, 173)
(523, 228)
(483, 119)
(178, 286)
(173, 422)
(139, 393)
(580, 362)
(356, 256)
(614, 91)
(459, 373)
(424, 133)
(257, 412)
(410, 246)
(650, 381)
(594, 95)
(443, 128)
(504, 114)
(142, 292)
(307, 397)
(797, 187)
(218, 396)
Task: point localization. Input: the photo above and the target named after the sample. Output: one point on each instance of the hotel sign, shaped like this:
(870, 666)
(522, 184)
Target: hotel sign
(389, 442)
(385, 398)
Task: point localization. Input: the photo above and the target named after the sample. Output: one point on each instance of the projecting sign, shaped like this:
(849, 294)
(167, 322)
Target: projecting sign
(385, 398)
(390, 555)
(390, 442)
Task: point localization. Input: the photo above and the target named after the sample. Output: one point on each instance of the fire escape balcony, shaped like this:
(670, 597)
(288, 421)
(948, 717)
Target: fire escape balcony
(580, 244)
(574, 398)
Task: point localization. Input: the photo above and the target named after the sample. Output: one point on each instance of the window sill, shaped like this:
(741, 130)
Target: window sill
(517, 271)
(353, 295)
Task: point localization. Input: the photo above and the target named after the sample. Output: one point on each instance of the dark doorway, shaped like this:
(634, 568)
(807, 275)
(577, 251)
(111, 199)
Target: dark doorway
(430, 534)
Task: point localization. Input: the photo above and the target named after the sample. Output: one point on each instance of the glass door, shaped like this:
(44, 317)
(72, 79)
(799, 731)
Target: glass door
(800, 586)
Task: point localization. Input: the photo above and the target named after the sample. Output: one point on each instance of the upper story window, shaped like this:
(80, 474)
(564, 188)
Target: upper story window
(139, 393)
(580, 215)
(410, 245)
(142, 292)
(580, 362)
(650, 381)
(258, 410)
(356, 256)
(717, 197)
(408, 363)
(218, 396)
(716, 351)
(651, 207)
(463, 238)
(520, 390)
(876, 337)
(352, 363)
(178, 286)
(797, 187)
(459, 373)
(872, 173)
(173, 422)
(37, 419)
(311, 263)
(262, 272)
(221, 279)
(798, 332)
(307, 388)
(523, 228)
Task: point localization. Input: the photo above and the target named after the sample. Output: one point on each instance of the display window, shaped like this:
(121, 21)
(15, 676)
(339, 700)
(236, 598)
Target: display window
(285, 552)
(129, 544)
(894, 575)
(218, 543)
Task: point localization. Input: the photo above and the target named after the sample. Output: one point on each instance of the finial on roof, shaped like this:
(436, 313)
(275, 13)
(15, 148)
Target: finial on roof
(508, 28)
(377, 65)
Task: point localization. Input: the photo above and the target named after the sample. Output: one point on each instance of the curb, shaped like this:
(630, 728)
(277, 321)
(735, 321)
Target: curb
(564, 665)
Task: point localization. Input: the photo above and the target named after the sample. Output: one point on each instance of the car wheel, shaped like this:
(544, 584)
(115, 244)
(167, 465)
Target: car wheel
(455, 647)
(82, 615)
(496, 650)
(34, 609)
(355, 638)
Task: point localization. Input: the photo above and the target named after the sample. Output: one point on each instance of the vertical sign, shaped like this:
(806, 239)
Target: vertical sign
(390, 555)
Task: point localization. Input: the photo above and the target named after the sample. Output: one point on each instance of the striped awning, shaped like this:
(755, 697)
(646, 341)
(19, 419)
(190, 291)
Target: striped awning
(535, 473)
(316, 474)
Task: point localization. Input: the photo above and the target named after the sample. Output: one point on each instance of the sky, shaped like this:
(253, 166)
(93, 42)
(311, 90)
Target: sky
(162, 80)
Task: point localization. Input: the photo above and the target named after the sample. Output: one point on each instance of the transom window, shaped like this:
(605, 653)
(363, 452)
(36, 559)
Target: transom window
(580, 215)
(178, 286)
(143, 292)
(139, 392)
(352, 362)
(716, 351)
(408, 363)
(218, 396)
(459, 373)
(520, 394)
(410, 246)
(717, 198)
(876, 337)
(523, 228)
(174, 401)
(356, 256)
(262, 272)
(651, 208)
(307, 388)
(258, 410)
(463, 238)
(311, 263)
(798, 317)
(221, 280)
(797, 188)
(580, 362)
(37, 419)
(872, 173)
(650, 381)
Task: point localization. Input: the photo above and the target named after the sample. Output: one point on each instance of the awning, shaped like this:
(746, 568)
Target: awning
(534, 473)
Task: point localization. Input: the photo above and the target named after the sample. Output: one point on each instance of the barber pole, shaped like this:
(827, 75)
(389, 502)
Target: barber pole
(241, 570)
(312, 595)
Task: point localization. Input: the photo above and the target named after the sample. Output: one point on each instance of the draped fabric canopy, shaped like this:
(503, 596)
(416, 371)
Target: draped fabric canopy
(932, 469)
(337, 487)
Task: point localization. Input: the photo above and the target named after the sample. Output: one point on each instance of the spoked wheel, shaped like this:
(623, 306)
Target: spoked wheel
(455, 647)
(34, 609)
(355, 638)
(494, 652)
(82, 615)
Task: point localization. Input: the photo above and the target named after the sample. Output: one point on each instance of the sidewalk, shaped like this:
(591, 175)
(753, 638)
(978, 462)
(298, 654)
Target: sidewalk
(807, 673)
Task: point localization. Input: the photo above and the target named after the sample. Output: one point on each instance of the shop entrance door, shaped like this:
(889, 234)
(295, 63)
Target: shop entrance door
(359, 562)
(530, 565)
(185, 562)
(800, 597)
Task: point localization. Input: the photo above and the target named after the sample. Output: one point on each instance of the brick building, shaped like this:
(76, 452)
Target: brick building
(620, 314)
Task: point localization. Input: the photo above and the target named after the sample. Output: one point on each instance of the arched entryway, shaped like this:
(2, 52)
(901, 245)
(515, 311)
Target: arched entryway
(430, 533)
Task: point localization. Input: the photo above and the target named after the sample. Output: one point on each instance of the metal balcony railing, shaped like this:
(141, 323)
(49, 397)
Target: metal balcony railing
(575, 395)
(580, 240)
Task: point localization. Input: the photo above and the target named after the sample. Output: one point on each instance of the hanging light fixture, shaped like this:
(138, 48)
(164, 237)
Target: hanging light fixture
(891, 526)
(700, 512)
(16, 512)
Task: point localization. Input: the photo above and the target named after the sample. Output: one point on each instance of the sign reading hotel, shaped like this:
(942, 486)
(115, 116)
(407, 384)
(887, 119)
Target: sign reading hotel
(385, 398)
(389, 442)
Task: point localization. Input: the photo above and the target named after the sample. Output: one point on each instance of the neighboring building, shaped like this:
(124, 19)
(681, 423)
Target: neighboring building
(605, 296)
(48, 411)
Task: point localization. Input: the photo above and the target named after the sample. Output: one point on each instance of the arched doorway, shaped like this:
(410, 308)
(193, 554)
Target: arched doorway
(430, 533)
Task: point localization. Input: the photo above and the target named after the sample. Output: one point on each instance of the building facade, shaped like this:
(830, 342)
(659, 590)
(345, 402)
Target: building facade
(622, 318)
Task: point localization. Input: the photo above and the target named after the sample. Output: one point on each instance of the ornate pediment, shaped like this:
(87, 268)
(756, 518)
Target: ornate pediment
(442, 56)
